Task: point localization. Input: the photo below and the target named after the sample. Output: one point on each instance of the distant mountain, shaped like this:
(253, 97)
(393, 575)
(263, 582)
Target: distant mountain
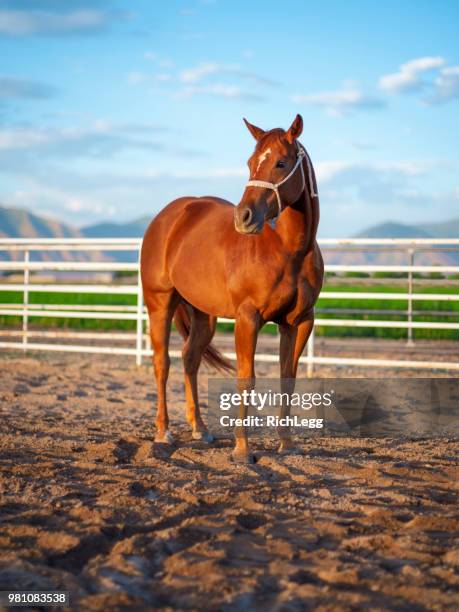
(392, 229)
(132, 229)
(20, 223)
(389, 229)
(445, 229)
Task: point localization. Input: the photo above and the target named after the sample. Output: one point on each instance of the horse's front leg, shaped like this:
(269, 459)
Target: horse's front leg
(292, 342)
(248, 322)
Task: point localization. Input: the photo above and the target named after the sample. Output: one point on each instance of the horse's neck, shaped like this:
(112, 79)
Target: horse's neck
(297, 226)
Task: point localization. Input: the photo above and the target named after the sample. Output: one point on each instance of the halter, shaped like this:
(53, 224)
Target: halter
(301, 154)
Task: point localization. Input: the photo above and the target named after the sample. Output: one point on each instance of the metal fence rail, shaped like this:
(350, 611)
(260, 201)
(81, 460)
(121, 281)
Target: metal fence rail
(22, 250)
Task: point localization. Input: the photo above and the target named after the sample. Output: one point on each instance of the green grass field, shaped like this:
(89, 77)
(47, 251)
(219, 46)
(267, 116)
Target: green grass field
(426, 307)
(430, 311)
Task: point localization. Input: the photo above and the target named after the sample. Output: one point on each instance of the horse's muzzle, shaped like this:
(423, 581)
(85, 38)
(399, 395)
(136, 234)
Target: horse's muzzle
(248, 221)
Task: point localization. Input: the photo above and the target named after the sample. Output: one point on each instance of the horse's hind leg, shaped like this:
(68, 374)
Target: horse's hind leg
(161, 307)
(202, 329)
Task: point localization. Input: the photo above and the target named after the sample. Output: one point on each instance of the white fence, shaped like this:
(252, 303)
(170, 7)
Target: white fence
(20, 251)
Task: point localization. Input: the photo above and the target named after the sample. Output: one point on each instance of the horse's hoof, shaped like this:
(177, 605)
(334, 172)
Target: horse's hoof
(203, 436)
(164, 437)
(246, 458)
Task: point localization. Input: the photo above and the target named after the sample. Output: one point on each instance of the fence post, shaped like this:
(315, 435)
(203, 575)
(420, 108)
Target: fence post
(25, 316)
(310, 354)
(139, 330)
(410, 341)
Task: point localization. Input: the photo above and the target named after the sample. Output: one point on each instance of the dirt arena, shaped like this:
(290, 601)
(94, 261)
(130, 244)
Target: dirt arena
(91, 506)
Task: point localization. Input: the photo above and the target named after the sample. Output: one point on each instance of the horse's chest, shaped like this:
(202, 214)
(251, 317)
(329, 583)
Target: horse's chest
(276, 297)
(292, 297)
(285, 295)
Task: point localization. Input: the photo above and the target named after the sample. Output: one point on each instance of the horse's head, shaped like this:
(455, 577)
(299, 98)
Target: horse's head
(276, 176)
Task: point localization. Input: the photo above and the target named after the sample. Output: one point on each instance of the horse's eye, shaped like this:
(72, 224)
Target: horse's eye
(281, 164)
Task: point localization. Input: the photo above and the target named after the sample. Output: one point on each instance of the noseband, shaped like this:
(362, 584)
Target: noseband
(301, 154)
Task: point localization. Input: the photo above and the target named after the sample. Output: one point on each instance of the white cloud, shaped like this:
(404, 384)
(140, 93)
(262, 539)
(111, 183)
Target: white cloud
(219, 90)
(101, 139)
(329, 170)
(29, 150)
(217, 173)
(446, 85)
(206, 79)
(349, 191)
(202, 71)
(197, 74)
(422, 63)
(23, 23)
(441, 85)
(81, 196)
(409, 77)
(342, 101)
(429, 74)
(56, 198)
(355, 193)
(22, 138)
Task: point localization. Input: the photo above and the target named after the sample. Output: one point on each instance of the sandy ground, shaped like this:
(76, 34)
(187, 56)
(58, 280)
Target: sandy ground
(90, 505)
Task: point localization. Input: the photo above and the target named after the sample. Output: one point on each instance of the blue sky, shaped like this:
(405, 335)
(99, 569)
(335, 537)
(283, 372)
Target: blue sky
(110, 109)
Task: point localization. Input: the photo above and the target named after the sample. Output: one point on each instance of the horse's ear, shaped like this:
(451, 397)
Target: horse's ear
(256, 132)
(295, 129)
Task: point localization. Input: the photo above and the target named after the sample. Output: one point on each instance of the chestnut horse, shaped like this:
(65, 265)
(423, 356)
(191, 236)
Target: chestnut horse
(204, 258)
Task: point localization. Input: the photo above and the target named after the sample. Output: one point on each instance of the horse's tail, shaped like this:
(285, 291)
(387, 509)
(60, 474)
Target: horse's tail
(211, 355)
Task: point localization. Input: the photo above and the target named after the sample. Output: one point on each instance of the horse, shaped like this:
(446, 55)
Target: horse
(259, 261)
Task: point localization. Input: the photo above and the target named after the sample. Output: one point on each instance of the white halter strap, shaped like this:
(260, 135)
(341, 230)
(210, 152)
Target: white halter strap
(302, 154)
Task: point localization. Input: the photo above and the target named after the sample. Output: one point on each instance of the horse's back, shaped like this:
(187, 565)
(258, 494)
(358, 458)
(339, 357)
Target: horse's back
(174, 226)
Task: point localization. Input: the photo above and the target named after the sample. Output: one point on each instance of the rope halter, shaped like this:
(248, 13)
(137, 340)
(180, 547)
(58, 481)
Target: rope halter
(301, 154)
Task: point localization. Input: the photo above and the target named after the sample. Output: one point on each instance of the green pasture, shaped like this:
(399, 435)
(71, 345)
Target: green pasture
(431, 311)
